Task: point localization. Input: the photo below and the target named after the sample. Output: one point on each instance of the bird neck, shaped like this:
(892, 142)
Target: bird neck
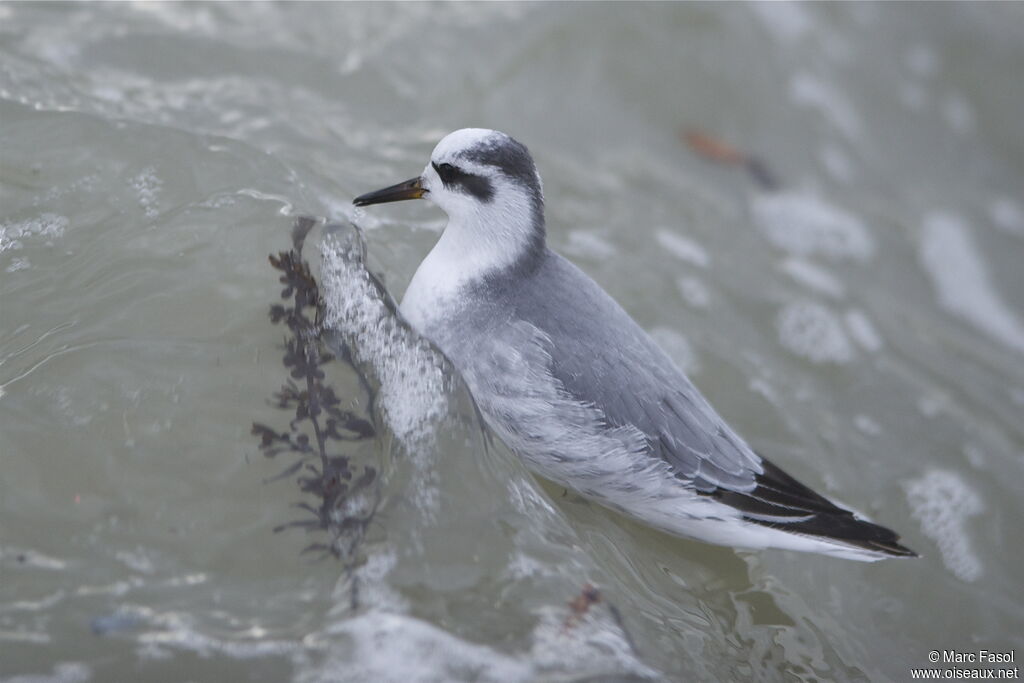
(475, 246)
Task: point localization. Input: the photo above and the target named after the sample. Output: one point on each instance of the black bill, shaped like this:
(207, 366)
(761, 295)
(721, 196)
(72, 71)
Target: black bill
(410, 189)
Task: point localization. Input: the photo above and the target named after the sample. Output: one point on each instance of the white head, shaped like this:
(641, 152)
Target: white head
(488, 185)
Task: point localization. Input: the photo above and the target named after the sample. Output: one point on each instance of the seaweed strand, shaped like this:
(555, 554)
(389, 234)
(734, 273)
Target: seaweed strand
(347, 491)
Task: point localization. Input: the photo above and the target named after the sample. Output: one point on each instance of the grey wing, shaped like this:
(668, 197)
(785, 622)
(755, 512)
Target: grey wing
(603, 358)
(644, 389)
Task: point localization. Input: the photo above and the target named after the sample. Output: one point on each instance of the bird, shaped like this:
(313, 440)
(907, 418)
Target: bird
(575, 387)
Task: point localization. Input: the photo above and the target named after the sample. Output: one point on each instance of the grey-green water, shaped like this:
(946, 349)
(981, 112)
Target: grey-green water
(863, 327)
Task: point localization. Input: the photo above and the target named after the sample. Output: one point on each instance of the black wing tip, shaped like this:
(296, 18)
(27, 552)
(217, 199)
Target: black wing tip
(897, 550)
(778, 495)
(886, 541)
(843, 527)
(851, 530)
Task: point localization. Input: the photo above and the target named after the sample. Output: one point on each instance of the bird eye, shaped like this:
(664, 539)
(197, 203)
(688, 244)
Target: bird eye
(447, 172)
(454, 178)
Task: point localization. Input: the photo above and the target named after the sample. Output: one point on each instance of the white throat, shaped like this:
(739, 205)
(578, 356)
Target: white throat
(479, 240)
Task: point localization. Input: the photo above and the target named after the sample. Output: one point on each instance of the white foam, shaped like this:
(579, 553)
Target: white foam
(788, 22)
(589, 245)
(526, 499)
(677, 347)
(836, 162)
(393, 648)
(1017, 395)
(27, 557)
(46, 227)
(863, 330)
(694, 291)
(922, 60)
(388, 647)
(813, 277)
(810, 91)
(147, 188)
(958, 273)
(138, 560)
(85, 184)
(179, 630)
(958, 113)
(522, 566)
(413, 389)
(803, 224)
(374, 590)
(410, 371)
(913, 96)
(943, 503)
(867, 425)
(932, 405)
(588, 646)
(17, 263)
(683, 247)
(975, 455)
(812, 331)
(63, 672)
(1007, 215)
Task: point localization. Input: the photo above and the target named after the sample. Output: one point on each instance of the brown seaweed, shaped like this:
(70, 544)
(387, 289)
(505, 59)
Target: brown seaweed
(345, 491)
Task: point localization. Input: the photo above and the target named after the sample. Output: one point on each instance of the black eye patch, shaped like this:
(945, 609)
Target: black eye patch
(456, 179)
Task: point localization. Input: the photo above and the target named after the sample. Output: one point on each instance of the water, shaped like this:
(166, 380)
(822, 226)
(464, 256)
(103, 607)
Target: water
(863, 326)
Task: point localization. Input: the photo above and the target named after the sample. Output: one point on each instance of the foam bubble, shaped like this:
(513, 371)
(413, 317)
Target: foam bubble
(836, 162)
(63, 672)
(958, 113)
(974, 455)
(677, 347)
(138, 560)
(803, 225)
(409, 369)
(18, 263)
(147, 188)
(592, 647)
(179, 630)
(562, 644)
(913, 96)
(867, 425)
(787, 22)
(46, 227)
(810, 91)
(1017, 395)
(922, 60)
(413, 387)
(958, 273)
(814, 277)
(863, 330)
(683, 248)
(814, 332)
(26, 557)
(373, 586)
(1007, 215)
(943, 502)
(415, 651)
(589, 245)
(694, 291)
(87, 183)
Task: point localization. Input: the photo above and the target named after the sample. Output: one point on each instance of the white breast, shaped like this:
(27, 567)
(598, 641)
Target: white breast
(432, 292)
(463, 255)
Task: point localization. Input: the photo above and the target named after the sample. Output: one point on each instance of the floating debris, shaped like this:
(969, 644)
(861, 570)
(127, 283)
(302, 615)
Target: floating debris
(113, 624)
(714, 149)
(580, 605)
